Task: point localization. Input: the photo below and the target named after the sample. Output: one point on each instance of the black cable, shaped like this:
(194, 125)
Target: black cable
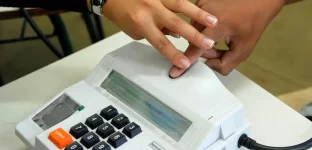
(251, 144)
(40, 33)
(309, 117)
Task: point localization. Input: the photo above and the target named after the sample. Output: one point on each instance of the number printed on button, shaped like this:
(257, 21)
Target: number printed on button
(116, 137)
(132, 127)
(73, 147)
(102, 146)
(120, 118)
(132, 130)
(90, 137)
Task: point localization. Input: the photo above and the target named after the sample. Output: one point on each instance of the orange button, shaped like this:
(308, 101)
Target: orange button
(60, 138)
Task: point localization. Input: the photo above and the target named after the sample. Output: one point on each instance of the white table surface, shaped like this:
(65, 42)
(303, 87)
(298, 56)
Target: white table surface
(9, 9)
(273, 122)
(6, 9)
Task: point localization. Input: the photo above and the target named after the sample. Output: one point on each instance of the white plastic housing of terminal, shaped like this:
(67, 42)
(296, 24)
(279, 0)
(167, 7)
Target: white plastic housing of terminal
(216, 116)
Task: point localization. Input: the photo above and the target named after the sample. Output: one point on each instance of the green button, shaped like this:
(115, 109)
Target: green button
(81, 108)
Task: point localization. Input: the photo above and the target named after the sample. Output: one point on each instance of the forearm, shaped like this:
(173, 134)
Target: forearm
(69, 5)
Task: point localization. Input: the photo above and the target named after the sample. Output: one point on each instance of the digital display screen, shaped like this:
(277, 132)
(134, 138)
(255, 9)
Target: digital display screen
(145, 104)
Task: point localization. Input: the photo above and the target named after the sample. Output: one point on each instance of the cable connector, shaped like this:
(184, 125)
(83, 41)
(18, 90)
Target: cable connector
(247, 142)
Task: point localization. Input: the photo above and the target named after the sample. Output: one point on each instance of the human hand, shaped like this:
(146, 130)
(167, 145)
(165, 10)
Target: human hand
(241, 24)
(152, 19)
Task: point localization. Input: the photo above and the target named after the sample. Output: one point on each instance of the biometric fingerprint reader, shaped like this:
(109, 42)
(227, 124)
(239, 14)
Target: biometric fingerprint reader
(128, 102)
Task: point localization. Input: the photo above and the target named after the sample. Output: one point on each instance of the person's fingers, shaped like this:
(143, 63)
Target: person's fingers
(214, 64)
(229, 60)
(212, 53)
(165, 47)
(168, 32)
(228, 41)
(165, 31)
(174, 35)
(176, 24)
(134, 36)
(197, 26)
(196, 2)
(193, 22)
(217, 33)
(192, 11)
(193, 53)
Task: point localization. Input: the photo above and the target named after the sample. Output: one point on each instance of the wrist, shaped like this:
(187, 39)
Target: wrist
(107, 8)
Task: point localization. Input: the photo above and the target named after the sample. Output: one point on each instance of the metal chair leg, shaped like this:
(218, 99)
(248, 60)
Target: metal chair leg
(38, 31)
(62, 34)
(90, 27)
(99, 27)
(94, 27)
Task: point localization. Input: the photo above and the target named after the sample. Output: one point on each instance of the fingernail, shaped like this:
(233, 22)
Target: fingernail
(174, 35)
(174, 72)
(208, 42)
(185, 63)
(212, 20)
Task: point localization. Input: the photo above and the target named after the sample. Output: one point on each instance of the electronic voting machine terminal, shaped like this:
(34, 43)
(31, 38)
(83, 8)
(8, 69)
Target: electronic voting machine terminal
(129, 102)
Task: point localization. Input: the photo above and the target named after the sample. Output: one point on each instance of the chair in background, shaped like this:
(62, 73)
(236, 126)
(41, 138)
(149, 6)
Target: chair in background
(58, 24)
(92, 22)
(94, 27)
